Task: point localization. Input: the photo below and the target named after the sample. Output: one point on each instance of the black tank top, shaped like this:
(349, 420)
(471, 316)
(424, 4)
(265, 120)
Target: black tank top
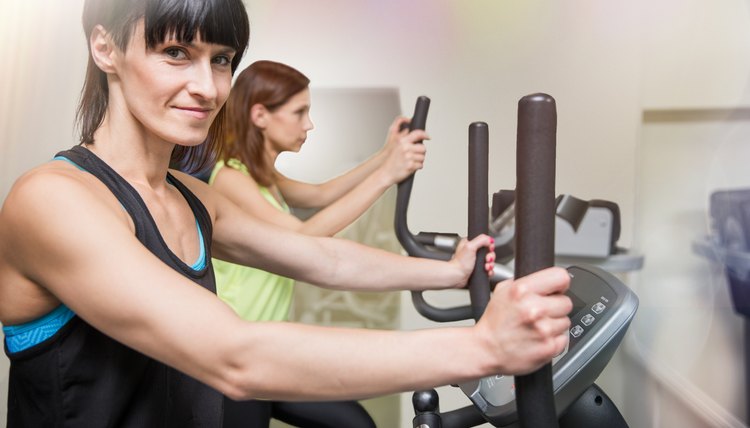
(80, 377)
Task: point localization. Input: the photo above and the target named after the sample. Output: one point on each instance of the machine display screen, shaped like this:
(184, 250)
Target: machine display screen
(578, 304)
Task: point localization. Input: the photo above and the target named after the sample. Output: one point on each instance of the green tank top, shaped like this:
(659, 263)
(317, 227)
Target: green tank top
(255, 295)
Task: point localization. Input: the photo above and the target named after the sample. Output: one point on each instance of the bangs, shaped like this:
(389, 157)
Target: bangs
(219, 22)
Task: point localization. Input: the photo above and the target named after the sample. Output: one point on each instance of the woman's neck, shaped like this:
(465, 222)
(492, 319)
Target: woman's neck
(270, 155)
(136, 157)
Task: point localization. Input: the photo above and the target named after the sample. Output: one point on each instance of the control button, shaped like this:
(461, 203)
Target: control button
(576, 331)
(587, 319)
(598, 307)
(497, 390)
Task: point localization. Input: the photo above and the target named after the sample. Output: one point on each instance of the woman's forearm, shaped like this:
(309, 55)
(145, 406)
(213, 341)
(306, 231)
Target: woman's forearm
(324, 194)
(345, 210)
(524, 325)
(350, 363)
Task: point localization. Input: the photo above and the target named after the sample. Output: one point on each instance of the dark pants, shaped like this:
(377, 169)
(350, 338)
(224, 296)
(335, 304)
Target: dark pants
(319, 414)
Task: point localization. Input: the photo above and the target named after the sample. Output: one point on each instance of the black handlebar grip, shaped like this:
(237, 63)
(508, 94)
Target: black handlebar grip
(419, 119)
(479, 282)
(403, 194)
(535, 184)
(535, 234)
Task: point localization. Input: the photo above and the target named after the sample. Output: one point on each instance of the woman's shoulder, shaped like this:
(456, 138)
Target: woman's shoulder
(238, 165)
(228, 167)
(52, 178)
(56, 192)
(52, 182)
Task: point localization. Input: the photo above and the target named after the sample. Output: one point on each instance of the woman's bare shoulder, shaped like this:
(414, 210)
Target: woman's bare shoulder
(44, 211)
(51, 184)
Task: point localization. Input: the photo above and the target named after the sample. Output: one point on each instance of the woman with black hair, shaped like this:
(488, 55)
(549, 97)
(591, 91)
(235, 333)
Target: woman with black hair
(107, 294)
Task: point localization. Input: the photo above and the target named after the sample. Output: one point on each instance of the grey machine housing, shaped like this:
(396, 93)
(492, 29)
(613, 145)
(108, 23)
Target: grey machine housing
(603, 308)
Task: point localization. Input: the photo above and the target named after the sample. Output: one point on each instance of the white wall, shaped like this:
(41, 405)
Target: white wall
(475, 59)
(686, 357)
(604, 62)
(44, 58)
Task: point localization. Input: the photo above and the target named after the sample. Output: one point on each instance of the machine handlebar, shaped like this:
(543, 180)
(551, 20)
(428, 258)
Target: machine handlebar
(411, 244)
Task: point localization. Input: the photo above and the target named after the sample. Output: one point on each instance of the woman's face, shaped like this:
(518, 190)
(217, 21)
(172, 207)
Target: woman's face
(286, 127)
(175, 90)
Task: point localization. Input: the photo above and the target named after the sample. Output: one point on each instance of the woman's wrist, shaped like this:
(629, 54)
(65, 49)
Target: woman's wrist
(383, 178)
(381, 155)
(455, 275)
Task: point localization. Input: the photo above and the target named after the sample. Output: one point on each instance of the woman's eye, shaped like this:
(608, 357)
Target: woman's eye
(175, 53)
(222, 60)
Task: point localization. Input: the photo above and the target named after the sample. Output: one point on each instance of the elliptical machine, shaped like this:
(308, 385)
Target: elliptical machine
(728, 245)
(562, 393)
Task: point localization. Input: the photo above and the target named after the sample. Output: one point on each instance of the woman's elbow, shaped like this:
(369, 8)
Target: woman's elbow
(238, 380)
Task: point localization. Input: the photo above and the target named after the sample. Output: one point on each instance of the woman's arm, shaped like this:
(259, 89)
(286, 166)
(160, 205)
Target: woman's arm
(403, 160)
(525, 326)
(328, 262)
(243, 190)
(60, 235)
(403, 157)
(307, 195)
